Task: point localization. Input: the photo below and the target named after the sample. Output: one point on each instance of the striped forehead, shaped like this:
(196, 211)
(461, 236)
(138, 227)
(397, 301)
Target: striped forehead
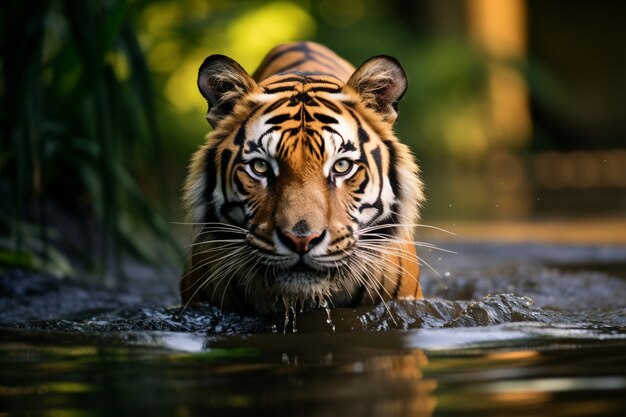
(304, 118)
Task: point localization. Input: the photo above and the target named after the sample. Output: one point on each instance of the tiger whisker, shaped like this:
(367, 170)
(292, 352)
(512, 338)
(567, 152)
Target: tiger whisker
(247, 280)
(209, 261)
(211, 253)
(224, 225)
(392, 267)
(359, 280)
(407, 225)
(405, 255)
(211, 277)
(207, 242)
(397, 268)
(227, 246)
(392, 240)
(371, 278)
(233, 275)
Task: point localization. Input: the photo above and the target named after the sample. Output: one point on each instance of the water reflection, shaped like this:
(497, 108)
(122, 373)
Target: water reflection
(369, 374)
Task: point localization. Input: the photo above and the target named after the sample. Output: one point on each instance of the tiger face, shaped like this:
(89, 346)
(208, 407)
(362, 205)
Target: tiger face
(302, 194)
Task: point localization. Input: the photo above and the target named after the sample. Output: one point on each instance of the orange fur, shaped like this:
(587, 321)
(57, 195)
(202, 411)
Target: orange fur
(304, 109)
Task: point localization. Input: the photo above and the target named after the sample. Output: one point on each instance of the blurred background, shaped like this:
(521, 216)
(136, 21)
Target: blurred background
(516, 111)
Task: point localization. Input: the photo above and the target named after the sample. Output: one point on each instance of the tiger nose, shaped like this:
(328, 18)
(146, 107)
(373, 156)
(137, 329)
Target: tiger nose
(300, 243)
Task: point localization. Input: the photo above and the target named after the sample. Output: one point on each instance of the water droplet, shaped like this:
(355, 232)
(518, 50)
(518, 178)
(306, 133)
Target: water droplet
(447, 274)
(294, 329)
(286, 323)
(324, 304)
(290, 303)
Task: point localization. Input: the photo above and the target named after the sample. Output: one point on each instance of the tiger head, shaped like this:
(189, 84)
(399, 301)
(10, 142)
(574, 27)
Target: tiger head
(299, 181)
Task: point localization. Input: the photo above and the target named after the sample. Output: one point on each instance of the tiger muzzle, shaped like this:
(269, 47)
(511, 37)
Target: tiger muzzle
(300, 243)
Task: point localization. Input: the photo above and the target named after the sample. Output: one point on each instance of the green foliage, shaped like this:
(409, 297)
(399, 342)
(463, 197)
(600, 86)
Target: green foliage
(78, 130)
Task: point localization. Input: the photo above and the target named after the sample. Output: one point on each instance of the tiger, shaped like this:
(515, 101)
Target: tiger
(302, 195)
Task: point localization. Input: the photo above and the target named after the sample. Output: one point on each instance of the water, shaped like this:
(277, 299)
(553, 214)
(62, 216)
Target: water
(512, 330)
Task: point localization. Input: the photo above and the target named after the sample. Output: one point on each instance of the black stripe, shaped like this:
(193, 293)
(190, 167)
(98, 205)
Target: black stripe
(325, 119)
(307, 115)
(238, 184)
(396, 290)
(296, 79)
(299, 47)
(331, 62)
(313, 149)
(393, 168)
(210, 174)
(324, 89)
(292, 65)
(312, 80)
(279, 89)
(254, 145)
(332, 131)
(241, 135)
(355, 117)
(332, 106)
(363, 136)
(378, 204)
(302, 98)
(347, 147)
(275, 105)
(337, 240)
(308, 75)
(363, 184)
(309, 55)
(276, 120)
(225, 159)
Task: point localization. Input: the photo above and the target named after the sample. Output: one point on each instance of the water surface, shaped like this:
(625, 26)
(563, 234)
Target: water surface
(506, 330)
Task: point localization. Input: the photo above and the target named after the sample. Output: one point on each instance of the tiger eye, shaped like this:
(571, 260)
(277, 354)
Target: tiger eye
(342, 166)
(260, 166)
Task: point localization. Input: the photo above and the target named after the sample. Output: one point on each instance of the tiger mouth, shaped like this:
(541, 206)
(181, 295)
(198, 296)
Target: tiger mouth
(301, 272)
(303, 284)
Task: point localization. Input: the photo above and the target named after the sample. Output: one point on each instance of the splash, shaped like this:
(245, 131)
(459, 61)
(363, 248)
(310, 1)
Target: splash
(294, 304)
(290, 302)
(488, 295)
(324, 304)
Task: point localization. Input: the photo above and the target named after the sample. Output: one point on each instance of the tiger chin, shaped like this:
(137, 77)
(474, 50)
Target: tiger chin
(302, 194)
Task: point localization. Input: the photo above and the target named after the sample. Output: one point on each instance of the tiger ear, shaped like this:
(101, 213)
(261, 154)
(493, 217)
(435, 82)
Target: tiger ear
(381, 82)
(222, 82)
